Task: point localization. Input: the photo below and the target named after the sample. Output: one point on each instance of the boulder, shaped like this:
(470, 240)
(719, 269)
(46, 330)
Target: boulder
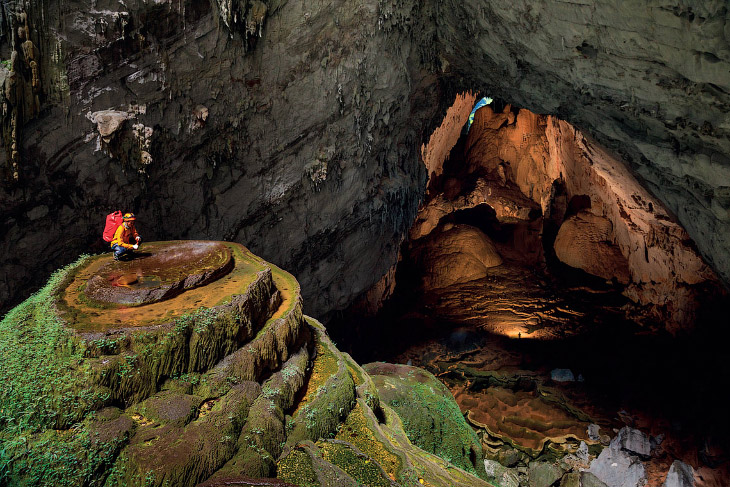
(562, 375)
(501, 475)
(571, 479)
(456, 254)
(593, 432)
(634, 441)
(544, 474)
(587, 479)
(617, 468)
(580, 479)
(585, 241)
(680, 475)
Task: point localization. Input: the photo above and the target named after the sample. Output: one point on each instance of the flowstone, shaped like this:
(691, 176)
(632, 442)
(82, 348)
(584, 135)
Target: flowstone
(193, 363)
(162, 271)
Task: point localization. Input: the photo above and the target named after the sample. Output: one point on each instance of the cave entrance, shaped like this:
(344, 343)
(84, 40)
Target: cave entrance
(537, 262)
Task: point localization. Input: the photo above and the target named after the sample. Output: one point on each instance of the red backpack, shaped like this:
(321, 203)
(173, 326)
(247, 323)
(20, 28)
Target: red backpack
(113, 220)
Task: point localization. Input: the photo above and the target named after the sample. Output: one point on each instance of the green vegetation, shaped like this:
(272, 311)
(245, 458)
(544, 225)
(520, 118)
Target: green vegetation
(431, 418)
(297, 467)
(358, 466)
(45, 396)
(330, 393)
(220, 390)
(358, 431)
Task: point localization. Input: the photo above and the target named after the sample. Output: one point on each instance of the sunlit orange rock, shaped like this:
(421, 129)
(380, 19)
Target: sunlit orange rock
(457, 253)
(585, 242)
(508, 203)
(536, 153)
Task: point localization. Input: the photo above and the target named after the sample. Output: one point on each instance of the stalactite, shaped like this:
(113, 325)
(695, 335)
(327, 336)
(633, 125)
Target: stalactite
(21, 93)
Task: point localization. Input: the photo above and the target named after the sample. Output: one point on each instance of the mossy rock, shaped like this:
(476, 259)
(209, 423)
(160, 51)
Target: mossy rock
(202, 387)
(65, 362)
(329, 395)
(305, 466)
(431, 418)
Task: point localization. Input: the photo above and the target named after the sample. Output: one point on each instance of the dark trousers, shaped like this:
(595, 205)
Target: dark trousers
(120, 251)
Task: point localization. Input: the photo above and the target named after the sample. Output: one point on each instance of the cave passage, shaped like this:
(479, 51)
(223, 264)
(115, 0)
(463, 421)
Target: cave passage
(520, 277)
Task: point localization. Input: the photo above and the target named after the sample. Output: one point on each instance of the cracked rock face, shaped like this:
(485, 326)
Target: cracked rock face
(296, 128)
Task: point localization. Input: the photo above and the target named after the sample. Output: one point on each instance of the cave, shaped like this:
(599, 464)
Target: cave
(384, 243)
(494, 288)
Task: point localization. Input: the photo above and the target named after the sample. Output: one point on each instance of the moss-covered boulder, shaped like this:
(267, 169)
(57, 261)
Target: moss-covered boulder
(216, 377)
(431, 418)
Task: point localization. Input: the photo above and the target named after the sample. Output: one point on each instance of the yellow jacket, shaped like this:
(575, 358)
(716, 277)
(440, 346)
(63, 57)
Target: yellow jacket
(122, 237)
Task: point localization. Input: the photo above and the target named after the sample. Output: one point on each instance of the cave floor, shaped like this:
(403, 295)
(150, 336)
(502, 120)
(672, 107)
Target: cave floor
(498, 342)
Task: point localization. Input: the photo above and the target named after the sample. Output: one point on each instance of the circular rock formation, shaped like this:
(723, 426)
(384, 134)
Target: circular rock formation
(159, 271)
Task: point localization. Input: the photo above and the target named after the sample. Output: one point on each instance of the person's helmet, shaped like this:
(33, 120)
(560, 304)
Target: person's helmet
(128, 217)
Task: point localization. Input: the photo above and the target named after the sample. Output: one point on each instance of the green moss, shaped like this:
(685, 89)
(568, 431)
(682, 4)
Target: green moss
(358, 466)
(327, 402)
(431, 418)
(45, 386)
(357, 431)
(325, 366)
(297, 468)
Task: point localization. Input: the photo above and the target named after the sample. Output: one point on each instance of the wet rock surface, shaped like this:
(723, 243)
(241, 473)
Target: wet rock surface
(159, 271)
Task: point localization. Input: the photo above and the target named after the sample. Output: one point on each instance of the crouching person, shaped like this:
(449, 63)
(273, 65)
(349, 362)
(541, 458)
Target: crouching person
(126, 239)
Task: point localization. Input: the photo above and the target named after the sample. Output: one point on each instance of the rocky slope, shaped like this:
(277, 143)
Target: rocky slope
(248, 120)
(222, 383)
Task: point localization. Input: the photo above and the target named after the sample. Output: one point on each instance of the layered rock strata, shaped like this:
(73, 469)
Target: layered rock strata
(223, 383)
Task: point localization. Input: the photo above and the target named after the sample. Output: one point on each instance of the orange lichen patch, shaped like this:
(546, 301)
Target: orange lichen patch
(141, 420)
(355, 374)
(357, 431)
(86, 317)
(358, 466)
(521, 418)
(205, 408)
